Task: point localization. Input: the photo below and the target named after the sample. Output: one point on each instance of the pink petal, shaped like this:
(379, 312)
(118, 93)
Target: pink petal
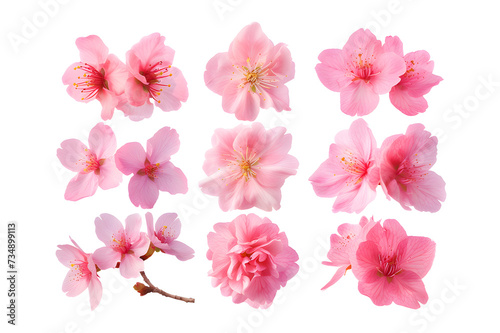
(108, 102)
(149, 224)
(358, 98)
(135, 93)
(130, 158)
(218, 73)
(102, 141)
(282, 65)
(367, 261)
(407, 289)
(106, 257)
(240, 101)
(338, 274)
(131, 266)
(95, 292)
(92, 50)
(262, 289)
(261, 197)
(390, 67)
(71, 77)
(106, 227)
(171, 179)
(109, 175)
(136, 113)
(162, 145)
(72, 155)
(68, 253)
(133, 227)
(174, 92)
(142, 191)
(171, 222)
(332, 70)
(276, 97)
(378, 291)
(180, 250)
(362, 139)
(116, 74)
(81, 186)
(355, 199)
(416, 254)
(141, 246)
(393, 44)
(152, 49)
(427, 194)
(73, 284)
(405, 103)
(251, 42)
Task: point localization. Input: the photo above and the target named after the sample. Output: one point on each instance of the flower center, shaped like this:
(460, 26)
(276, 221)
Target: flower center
(81, 270)
(91, 82)
(150, 170)
(120, 243)
(362, 68)
(91, 163)
(257, 75)
(242, 165)
(411, 171)
(165, 234)
(352, 165)
(388, 267)
(154, 75)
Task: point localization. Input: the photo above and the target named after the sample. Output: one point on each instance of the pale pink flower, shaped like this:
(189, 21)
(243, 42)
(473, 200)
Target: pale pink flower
(390, 265)
(164, 234)
(408, 95)
(247, 166)
(82, 273)
(95, 164)
(404, 163)
(252, 74)
(350, 172)
(123, 245)
(343, 247)
(98, 75)
(361, 71)
(152, 169)
(251, 259)
(153, 76)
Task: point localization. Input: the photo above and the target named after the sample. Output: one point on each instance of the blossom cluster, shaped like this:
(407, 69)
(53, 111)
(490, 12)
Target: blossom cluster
(388, 264)
(125, 248)
(355, 167)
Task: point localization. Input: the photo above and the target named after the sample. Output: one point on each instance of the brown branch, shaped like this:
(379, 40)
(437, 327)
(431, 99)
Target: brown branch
(143, 290)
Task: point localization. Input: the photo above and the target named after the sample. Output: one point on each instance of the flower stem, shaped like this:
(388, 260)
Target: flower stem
(153, 289)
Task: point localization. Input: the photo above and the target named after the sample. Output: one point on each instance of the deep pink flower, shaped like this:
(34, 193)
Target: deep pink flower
(98, 75)
(247, 166)
(164, 234)
(390, 265)
(153, 76)
(361, 71)
(95, 165)
(343, 247)
(251, 259)
(350, 172)
(252, 74)
(405, 160)
(82, 273)
(121, 245)
(408, 95)
(152, 169)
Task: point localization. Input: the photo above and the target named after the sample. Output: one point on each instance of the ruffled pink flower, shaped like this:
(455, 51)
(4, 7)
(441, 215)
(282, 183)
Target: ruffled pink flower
(408, 95)
(361, 71)
(95, 165)
(152, 169)
(390, 265)
(121, 245)
(98, 75)
(405, 164)
(251, 259)
(343, 247)
(350, 172)
(164, 234)
(153, 76)
(252, 74)
(82, 273)
(247, 166)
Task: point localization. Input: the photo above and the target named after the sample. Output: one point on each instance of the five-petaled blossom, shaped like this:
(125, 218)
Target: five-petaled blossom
(408, 95)
(390, 265)
(350, 172)
(252, 74)
(152, 169)
(95, 165)
(82, 273)
(247, 166)
(164, 235)
(98, 75)
(343, 247)
(251, 259)
(152, 76)
(360, 71)
(123, 245)
(405, 160)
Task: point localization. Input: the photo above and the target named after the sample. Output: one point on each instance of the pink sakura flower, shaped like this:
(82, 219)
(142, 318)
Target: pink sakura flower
(152, 169)
(251, 259)
(82, 273)
(152, 76)
(164, 234)
(121, 245)
(95, 165)
(404, 170)
(343, 247)
(408, 95)
(350, 172)
(252, 74)
(247, 166)
(98, 75)
(361, 71)
(390, 265)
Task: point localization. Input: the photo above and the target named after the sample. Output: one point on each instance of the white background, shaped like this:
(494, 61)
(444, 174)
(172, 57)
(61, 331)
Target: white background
(37, 115)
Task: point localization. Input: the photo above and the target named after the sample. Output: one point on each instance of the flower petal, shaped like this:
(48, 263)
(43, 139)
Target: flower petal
(130, 158)
(131, 266)
(358, 98)
(81, 186)
(171, 179)
(142, 191)
(162, 145)
(102, 141)
(92, 50)
(72, 155)
(109, 175)
(218, 73)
